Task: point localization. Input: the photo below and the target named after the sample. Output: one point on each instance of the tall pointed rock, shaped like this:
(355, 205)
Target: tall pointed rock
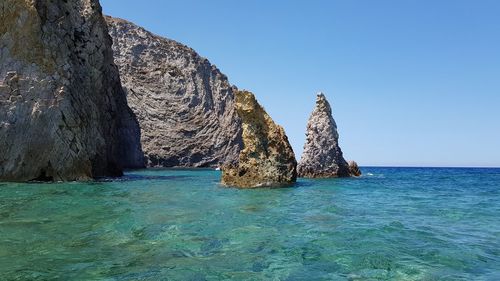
(267, 158)
(322, 156)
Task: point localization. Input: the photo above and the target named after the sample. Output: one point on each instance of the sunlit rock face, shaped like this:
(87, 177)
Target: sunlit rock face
(184, 104)
(322, 156)
(63, 113)
(267, 158)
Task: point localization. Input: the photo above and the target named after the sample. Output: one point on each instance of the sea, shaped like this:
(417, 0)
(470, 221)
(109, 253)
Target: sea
(178, 224)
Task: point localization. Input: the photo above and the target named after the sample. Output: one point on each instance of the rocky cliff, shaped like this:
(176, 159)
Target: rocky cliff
(322, 156)
(267, 158)
(63, 113)
(185, 105)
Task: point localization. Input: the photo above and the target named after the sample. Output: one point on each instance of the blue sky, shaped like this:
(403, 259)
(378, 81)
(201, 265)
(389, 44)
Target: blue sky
(411, 82)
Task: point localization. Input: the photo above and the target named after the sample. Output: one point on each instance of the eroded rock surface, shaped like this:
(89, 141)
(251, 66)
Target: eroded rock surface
(184, 104)
(322, 156)
(267, 158)
(63, 113)
(354, 169)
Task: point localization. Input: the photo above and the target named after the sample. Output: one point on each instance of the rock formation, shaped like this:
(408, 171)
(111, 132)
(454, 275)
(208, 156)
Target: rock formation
(185, 105)
(267, 159)
(63, 113)
(322, 156)
(354, 169)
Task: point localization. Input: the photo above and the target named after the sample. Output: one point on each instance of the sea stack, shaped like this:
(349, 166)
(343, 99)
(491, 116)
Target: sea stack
(63, 113)
(322, 156)
(184, 104)
(267, 158)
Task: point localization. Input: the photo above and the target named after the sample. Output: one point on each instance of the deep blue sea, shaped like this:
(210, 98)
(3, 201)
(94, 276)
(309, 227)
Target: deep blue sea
(389, 224)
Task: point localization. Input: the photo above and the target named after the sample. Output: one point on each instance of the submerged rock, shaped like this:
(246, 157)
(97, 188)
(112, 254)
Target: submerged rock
(267, 158)
(322, 156)
(184, 104)
(63, 113)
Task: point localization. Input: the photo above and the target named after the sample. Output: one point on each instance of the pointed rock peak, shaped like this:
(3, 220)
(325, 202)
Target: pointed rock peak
(320, 97)
(322, 104)
(322, 156)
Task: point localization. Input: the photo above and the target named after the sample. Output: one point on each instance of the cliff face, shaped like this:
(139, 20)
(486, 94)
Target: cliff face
(322, 156)
(185, 105)
(267, 158)
(63, 113)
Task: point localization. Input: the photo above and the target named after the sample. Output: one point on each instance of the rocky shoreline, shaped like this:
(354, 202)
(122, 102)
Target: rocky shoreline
(91, 95)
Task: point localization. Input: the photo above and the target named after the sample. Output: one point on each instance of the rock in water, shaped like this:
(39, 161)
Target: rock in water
(185, 105)
(354, 169)
(322, 156)
(267, 158)
(63, 113)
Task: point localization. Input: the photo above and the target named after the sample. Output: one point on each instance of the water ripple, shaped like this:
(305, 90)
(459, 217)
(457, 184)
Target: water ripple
(391, 224)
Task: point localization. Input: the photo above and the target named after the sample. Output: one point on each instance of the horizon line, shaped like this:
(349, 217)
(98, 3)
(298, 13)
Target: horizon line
(423, 166)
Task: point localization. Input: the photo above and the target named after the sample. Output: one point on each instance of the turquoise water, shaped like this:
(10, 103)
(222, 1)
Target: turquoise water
(390, 224)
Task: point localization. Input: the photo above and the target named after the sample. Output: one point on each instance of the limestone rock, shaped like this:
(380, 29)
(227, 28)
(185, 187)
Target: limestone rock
(267, 158)
(63, 113)
(354, 169)
(184, 104)
(322, 156)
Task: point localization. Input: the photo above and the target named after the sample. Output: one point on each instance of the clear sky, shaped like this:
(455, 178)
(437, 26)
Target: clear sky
(411, 82)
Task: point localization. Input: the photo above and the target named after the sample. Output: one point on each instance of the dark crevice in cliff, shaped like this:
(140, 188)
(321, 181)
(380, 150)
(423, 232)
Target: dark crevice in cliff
(45, 174)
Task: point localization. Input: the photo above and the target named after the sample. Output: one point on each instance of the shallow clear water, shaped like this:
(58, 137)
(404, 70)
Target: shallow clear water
(390, 224)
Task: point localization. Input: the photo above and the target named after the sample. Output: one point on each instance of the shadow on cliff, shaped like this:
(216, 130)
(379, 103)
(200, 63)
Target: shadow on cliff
(135, 177)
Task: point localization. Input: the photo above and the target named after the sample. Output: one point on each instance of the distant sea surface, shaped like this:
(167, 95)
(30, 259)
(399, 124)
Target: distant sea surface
(390, 224)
